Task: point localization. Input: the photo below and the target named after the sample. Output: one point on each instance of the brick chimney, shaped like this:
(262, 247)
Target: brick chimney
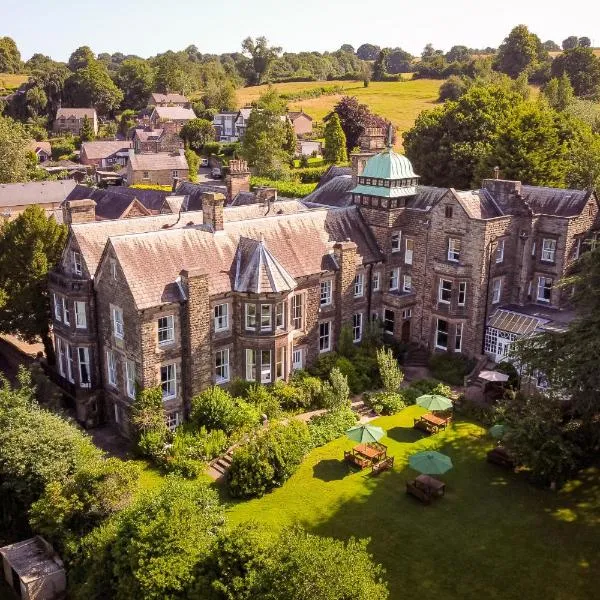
(265, 195)
(372, 140)
(212, 210)
(79, 211)
(507, 195)
(238, 179)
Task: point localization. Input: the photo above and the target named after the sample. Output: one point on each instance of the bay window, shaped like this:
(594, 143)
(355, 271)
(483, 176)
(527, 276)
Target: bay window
(394, 279)
(266, 323)
(221, 317)
(250, 365)
(298, 311)
(250, 316)
(280, 315)
(83, 357)
(265, 366)
(222, 365)
(325, 336)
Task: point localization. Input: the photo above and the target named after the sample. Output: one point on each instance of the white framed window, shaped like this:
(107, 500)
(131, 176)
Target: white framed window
(266, 317)
(70, 365)
(175, 173)
(173, 420)
(83, 358)
(376, 281)
(325, 336)
(548, 250)
(544, 289)
(359, 285)
(453, 249)
(389, 321)
(250, 365)
(298, 359)
(533, 248)
(462, 293)
(298, 311)
(458, 337)
(394, 279)
(62, 358)
(130, 378)
(326, 292)
(113, 268)
(280, 315)
(221, 317)
(65, 311)
(80, 315)
(441, 334)
(280, 362)
(77, 268)
(118, 326)
(407, 313)
(445, 291)
(496, 290)
(168, 381)
(250, 316)
(500, 251)
(222, 365)
(166, 330)
(57, 307)
(407, 283)
(265, 366)
(409, 249)
(357, 327)
(146, 175)
(111, 367)
(396, 238)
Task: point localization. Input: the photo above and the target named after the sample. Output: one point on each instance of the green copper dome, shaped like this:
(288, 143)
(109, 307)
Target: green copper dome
(388, 165)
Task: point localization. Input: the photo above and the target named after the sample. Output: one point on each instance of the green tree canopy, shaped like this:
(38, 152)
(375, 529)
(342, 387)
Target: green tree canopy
(262, 55)
(197, 132)
(10, 57)
(583, 68)
(521, 51)
(135, 79)
(87, 130)
(559, 92)
(335, 141)
(30, 246)
(81, 58)
(14, 144)
(380, 66)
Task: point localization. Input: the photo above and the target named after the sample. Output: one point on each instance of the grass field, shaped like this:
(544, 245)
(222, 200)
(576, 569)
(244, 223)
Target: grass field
(400, 102)
(10, 82)
(492, 536)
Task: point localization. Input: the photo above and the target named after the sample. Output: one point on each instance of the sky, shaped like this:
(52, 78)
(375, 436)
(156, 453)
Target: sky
(147, 27)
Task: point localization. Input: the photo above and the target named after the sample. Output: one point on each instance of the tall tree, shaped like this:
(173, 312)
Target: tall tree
(458, 54)
(81, 58)
(30, 246)
(551, 46)
(559, 92)
(380, 66)
(585, 42)
(135, 79)
(399, 61)
(335, 141)
(197, 132)
(14, 154)
(521, 51)
(368, 51)
(571, 42)
(10, 57)
(583, 68)
(87, 130)
(262, 55)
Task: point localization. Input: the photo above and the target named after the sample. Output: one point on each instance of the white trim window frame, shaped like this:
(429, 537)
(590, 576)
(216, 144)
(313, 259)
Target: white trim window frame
(250, 364)
(326, 292)
(166, 330)
(324, 336)
(458, 334)
(280, 316)
(222, 374)
(130, 378)
(298, 311)
(453, 250)
(111, 368)
(280, 354)
(544, 288)
(221, 317)
(118, 325)
(57, 307)
(389, 321)
(80, 315)
(445, 291)
(65, 311)
(266, 317)
(500, 252)
(496, 290)
(394, 282)
(266, 368)
(396, 241)
(376, 281)
(83, 360)
(357, 327)
(409, 249)
(77, 265)
(250, 316)
(168, 381)
(548, 250)
(359, 285)
(462, 293)
(297, 359)
(441, 335)
(407, 284)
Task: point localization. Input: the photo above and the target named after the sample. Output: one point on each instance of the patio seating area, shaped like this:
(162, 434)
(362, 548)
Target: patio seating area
(431, 423)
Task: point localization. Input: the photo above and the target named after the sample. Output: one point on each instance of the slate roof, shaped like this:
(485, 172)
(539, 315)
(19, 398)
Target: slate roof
(554, 201)
(335, 192)
(158, 161)
(301, 243)
(478, 204)
(169, 98)
(145, 135)
(35, 192)
(333, 171)
(244, 199)
(78, 113)
(426, 197)
(175, 113)
(96, 150)
(194, 193)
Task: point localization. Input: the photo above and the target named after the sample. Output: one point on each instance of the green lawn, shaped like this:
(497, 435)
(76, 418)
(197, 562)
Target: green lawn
(492, 536)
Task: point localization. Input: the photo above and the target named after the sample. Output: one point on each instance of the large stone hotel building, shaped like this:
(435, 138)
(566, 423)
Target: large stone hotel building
(198, 298)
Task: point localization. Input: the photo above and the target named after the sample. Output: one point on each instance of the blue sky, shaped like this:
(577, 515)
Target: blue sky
(146, 27)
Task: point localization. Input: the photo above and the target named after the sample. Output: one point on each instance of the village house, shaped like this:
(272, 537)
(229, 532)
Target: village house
(70, 120)
(302, 123)
(161, 168)
(42, 150)
(258, 291)
(16, 197)
(231, 126)
(170, 118)
(147, 139)
(105, 154)
(170, 99)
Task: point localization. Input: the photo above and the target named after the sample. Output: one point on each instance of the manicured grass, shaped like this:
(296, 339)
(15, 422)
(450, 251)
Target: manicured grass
(400, 102)
(492, 536)
(10, 81)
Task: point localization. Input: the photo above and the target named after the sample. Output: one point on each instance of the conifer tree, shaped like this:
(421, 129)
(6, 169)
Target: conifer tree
(335, 141)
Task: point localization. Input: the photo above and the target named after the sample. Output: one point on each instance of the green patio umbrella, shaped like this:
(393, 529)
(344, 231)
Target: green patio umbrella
(434, 402)
(498, 431)
(430, 462)
(365, 434)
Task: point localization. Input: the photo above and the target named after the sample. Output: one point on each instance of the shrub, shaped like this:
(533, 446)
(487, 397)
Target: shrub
(239, 387)
(269, 459)
(331, 425)
(311, 386)
(385, 403)
(450, 367)
(288, 189)
(389, 371)
(290, 396)
(358, 381)
(336, 393)
(62, 148)
(212, 148)
(310, 174)
(259, 395)
(425, 386)
(510, 370)
(323, 365)
(152, 444)
(148, 423)
(215, 408)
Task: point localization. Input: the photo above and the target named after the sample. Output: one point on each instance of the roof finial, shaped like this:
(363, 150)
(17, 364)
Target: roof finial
(390, 137)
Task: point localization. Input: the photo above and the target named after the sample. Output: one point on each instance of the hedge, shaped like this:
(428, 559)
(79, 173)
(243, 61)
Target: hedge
(288, 189)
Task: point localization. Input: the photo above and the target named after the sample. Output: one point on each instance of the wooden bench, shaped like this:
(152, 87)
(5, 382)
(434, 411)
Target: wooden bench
(357, 461)
(413, 490)
(499, 456)
(425, 426)
(382, 465)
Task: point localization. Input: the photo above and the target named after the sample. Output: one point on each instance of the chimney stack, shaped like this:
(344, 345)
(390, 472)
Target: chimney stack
(265, 195)
(212, 210)
(79, 211)
(238, 179)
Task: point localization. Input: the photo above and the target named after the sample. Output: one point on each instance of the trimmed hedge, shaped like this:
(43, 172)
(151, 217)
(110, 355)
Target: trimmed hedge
(287, 189)
(310, 174)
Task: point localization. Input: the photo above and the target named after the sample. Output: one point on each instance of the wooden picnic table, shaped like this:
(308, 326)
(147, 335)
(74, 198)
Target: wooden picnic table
(371, 451)
(431, 423)
(436, 486)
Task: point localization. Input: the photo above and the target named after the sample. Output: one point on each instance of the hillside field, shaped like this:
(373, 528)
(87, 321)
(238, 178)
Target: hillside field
(10, 81)
(398, 101)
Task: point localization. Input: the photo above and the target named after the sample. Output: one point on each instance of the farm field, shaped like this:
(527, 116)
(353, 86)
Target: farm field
(10, 81)
(400, 102)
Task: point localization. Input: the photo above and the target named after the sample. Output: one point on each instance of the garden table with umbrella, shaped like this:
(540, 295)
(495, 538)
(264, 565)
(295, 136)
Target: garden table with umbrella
(369, 450)
(429, 422)
(428, 463)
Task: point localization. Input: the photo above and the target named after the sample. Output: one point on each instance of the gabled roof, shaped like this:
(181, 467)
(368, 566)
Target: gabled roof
(293, 115)
(169, 98)
(335, 192)
(35, 192)
(554, 201)
(174, 113)
(146, 135)
(78, 113)
(104, 149)
(478, 204)
(257, 271)
(38, 147)
(333, 171)
(159, 161)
